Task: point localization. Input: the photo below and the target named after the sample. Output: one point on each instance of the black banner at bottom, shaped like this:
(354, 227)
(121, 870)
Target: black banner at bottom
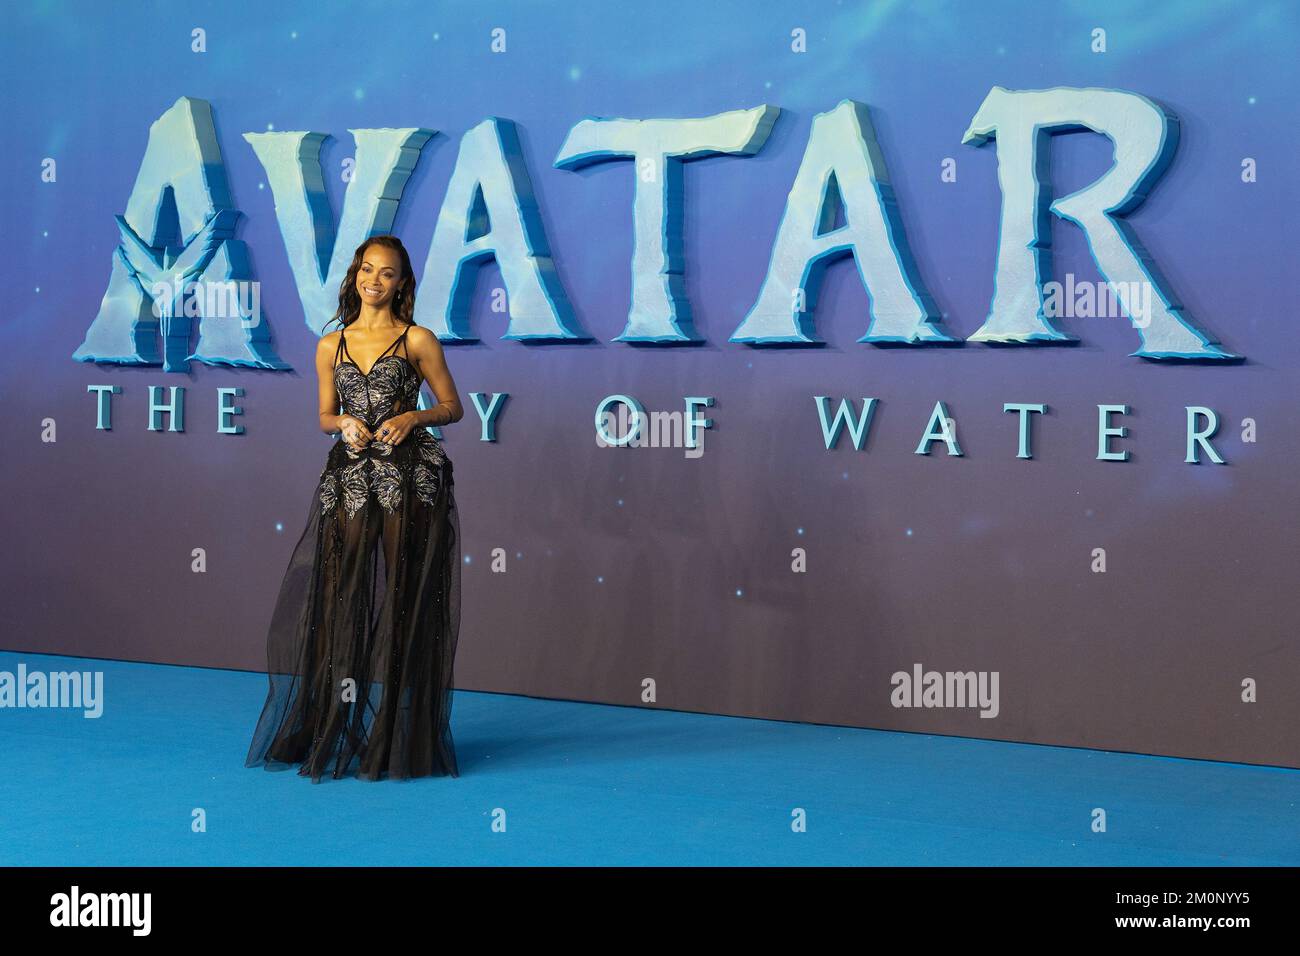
(356, 903)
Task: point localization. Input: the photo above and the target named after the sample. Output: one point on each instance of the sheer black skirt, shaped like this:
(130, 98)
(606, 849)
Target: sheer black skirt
(362, 642)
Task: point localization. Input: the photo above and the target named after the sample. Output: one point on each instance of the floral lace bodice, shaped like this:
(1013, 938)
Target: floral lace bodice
(390, 388)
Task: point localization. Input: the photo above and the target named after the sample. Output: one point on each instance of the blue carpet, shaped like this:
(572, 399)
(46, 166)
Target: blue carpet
(594, 784)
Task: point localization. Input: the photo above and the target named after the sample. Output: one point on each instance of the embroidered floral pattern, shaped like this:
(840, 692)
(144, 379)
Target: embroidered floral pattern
(355, 488)
(386, 482)
(329, 491)
(426, 484)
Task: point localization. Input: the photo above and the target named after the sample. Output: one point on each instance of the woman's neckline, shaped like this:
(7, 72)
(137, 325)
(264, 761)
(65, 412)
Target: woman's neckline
(388, 352)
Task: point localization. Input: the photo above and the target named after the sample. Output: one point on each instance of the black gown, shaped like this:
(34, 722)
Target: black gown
(360, 649)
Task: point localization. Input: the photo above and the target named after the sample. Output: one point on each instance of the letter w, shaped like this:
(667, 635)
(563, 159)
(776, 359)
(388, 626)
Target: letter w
(843, 416)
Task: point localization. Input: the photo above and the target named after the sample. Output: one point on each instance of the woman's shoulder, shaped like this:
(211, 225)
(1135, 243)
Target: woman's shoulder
(423, 339)
(328, 348)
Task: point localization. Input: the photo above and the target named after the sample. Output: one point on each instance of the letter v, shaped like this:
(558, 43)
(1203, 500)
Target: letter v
(319, 255)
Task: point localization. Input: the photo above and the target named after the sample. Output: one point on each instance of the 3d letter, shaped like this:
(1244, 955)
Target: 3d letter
(178, 231)
(602, 410)
(1024, 409)
(844, 416)
(843, 166)
(939, 428)
(1145, 137)
(1199, 438)
(660, 148)
(489, 211)
(1106, 431)
(319, 254)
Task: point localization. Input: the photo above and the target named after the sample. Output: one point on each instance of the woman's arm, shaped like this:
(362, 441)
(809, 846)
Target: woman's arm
(426, 355)
(329, 396)
(353, 429)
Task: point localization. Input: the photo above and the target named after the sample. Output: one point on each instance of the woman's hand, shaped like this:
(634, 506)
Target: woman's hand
(394, 430)
(354, 432)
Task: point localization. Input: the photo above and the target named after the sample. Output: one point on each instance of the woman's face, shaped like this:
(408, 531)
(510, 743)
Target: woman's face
(378, 276)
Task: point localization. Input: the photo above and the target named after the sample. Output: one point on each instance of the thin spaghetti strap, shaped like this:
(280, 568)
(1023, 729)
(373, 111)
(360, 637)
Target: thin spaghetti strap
(400, 340)
(339, 350)
(344, 350)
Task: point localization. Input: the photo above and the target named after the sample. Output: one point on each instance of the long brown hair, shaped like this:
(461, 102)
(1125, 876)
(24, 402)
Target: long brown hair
(403, 304)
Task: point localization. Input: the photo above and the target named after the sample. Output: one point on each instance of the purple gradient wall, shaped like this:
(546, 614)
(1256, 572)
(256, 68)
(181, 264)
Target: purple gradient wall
(624, 565)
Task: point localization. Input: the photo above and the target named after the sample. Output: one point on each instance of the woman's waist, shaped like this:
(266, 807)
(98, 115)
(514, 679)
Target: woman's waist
(419, 442)
(375, 448)
(373, 419)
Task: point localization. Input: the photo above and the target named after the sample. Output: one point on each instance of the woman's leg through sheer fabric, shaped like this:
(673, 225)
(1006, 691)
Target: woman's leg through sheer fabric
(362, 643)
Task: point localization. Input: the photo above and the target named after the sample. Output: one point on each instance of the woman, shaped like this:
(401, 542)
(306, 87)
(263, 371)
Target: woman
(360, 650)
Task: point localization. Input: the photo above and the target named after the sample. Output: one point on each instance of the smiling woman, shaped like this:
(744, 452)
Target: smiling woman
(360, 662)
